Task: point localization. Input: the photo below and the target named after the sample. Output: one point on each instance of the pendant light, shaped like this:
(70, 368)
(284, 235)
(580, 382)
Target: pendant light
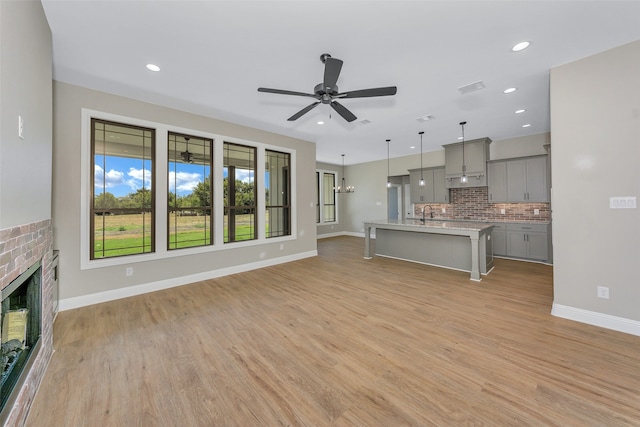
(388, 170)
(463, 178)
(344, 188)
(421, 177)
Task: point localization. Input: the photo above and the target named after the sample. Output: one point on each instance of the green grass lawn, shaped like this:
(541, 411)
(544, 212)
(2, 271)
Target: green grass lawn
(118, 235)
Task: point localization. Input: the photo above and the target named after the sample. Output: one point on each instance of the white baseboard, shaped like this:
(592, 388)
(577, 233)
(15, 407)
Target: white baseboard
(85, 300)
(344, 233)
(326, 235)
(615, 323)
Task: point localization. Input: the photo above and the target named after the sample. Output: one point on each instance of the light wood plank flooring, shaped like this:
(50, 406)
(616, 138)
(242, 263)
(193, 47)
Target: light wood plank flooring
(337, 340)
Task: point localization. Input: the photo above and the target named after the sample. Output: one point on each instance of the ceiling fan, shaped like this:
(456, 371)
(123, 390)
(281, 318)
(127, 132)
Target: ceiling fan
(327, 91)
(187, 157)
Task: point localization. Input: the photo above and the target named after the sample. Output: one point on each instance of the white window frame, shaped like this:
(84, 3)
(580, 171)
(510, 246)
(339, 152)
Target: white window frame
(162, 185)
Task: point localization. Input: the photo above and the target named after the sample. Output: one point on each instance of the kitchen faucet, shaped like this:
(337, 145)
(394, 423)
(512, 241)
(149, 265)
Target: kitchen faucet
(430, 212)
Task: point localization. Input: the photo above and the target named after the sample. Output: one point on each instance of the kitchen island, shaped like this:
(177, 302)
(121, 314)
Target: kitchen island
(457, 245)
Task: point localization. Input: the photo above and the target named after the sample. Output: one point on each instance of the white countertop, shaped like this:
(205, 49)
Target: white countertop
(433, 224)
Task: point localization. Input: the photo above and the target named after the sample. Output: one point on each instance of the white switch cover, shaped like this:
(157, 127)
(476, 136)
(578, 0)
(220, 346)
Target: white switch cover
(622, 202)
(536, 211)
(502, 211)
(20, 127)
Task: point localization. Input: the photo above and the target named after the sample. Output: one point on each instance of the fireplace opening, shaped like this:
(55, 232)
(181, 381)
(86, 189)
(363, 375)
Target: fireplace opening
(20, 329)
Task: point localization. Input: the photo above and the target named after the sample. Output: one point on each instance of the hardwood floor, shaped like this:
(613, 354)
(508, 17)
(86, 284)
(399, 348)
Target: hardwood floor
(337, 340)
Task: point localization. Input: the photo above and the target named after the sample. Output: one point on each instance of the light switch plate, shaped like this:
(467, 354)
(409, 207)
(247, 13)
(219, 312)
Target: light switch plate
(622, 202)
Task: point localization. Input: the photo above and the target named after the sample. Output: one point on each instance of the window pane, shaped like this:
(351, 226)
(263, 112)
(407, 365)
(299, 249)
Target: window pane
(329, 197)
(122, 205)
(190, 192)
(317, 197)
(277, 194)
(239, 193)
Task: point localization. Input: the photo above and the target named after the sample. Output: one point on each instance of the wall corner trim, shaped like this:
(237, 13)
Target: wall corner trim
(607, 321)
(115, 294)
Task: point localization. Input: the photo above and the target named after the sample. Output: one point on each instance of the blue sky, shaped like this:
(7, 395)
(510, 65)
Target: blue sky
(126, 175)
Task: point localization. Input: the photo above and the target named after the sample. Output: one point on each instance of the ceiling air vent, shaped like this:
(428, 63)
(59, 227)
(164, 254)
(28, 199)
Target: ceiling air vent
(425, 118)
(471, 87)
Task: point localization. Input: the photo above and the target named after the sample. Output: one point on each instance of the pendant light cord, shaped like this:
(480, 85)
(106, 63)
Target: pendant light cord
(421, 177)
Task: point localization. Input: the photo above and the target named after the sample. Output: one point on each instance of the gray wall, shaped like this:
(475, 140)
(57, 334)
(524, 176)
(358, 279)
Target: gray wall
(595, 128)
(25, 90)
(111, 281)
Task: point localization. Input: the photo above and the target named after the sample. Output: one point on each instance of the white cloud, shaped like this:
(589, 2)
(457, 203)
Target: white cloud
(112, 179)
(137, 176)
(183, 181)
(245, 175)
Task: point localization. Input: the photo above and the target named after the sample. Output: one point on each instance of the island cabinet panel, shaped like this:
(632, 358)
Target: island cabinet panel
(519, 180)
(476, 154)
(433, 191)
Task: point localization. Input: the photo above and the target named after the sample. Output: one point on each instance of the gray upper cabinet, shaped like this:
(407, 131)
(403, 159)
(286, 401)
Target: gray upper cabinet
(476, 154)
(497, 177)
(521, 180)
(433, 191)
(440, 190)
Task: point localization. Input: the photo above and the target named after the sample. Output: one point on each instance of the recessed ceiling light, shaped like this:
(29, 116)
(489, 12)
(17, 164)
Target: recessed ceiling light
(320, 122)
(413, 147)
(510, 90)
(520, 46)
(520, 111)
(527, 125)
(153, 67)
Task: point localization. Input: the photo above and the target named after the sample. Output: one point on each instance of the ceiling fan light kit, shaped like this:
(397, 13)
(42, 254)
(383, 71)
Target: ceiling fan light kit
(328, 92)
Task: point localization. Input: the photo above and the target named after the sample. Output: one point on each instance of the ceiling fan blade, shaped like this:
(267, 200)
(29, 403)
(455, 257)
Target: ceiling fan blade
(302, 112)
(332, 67)
(286, 92)
(366, 93)
(342, 110)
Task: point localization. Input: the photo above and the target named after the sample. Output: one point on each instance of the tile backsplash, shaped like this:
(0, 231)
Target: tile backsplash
(473, 204)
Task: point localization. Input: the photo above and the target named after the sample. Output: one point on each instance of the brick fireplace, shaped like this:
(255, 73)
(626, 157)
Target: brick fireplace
(21, 248)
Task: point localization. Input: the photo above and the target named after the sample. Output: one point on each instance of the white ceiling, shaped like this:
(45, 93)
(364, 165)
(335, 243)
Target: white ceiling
(214, 55)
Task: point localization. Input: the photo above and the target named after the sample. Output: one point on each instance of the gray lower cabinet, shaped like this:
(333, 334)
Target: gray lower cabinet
(499, 238)
(522, 240)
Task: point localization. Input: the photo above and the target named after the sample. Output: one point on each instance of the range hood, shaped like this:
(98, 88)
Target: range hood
(476, 154)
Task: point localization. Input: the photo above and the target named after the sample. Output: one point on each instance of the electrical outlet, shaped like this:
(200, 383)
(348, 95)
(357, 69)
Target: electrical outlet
(603, 292)
(536, 211)
(444, 210)
(502, 211)
(128, 271)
